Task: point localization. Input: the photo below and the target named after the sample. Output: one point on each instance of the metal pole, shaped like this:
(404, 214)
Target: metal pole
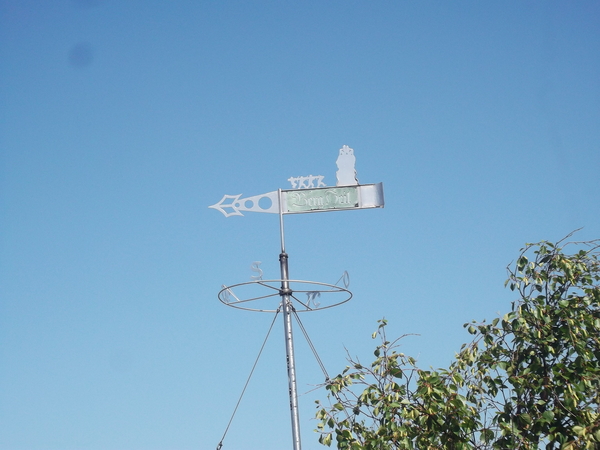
(289, 348)
(281, 233)
(287, 307)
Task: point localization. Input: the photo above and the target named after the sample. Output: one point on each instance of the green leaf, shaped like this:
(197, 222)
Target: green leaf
(548, 416)
(526, 418)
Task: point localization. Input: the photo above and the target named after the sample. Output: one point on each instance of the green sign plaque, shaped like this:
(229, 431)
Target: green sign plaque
(321, 199)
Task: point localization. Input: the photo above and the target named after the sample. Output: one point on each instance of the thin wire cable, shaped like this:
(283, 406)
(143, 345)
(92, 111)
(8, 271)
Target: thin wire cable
(310, 344)
(220, 444)
(314, 350)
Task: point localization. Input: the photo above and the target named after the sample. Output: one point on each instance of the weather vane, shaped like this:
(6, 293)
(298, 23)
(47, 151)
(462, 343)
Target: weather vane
(309, 194)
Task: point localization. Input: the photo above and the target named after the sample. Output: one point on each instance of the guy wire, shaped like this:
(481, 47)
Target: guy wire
(314, 350)
(310, 344)
(220, 444)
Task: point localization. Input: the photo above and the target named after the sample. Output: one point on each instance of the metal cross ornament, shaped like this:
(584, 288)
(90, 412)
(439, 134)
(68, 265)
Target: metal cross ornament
(309, 194)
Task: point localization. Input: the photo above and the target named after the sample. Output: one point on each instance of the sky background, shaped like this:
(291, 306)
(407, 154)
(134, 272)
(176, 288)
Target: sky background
(122, 121)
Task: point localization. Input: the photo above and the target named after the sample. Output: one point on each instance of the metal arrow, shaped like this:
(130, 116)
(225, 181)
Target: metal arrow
(237, 204)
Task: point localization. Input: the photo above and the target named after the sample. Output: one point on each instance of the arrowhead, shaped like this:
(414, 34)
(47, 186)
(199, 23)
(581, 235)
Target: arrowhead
(233, 205)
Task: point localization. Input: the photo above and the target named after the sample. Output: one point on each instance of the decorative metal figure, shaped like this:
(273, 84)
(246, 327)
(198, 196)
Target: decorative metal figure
(304, 197)
(346, 174)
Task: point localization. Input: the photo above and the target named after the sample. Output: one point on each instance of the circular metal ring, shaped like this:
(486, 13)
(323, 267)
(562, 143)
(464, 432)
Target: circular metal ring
(241, 294)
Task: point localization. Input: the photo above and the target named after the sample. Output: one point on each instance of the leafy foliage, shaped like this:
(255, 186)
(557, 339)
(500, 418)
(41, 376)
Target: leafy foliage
(528, 380)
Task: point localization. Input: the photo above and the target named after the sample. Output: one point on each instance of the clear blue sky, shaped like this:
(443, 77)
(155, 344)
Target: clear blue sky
(122, 121)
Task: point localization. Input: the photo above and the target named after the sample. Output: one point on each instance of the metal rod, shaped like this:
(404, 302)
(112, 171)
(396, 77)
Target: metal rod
(289, 348)
(281, 223)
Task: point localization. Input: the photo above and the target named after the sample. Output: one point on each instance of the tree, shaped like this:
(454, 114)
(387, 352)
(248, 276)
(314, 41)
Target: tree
(528, 380)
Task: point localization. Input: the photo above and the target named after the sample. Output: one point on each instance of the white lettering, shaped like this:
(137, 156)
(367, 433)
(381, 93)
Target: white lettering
(298, 199)
(317, 199)
(312, 295)
(255, 267)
